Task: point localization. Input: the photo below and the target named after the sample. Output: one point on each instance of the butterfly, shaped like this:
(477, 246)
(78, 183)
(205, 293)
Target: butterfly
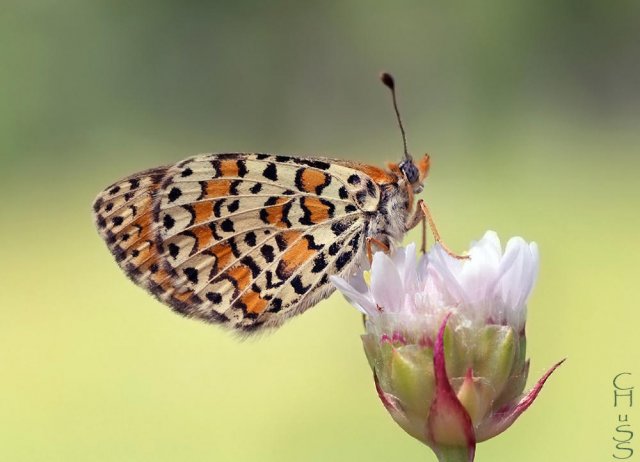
(249, 240)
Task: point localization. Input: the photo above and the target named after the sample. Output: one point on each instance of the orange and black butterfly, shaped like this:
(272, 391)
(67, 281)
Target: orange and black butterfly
(250, 240)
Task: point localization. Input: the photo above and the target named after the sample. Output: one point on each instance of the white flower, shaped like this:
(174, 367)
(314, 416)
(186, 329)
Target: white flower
(490, 287)
(481, 303)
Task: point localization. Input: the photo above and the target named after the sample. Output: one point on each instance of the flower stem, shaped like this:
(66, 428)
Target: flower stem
(454, 454)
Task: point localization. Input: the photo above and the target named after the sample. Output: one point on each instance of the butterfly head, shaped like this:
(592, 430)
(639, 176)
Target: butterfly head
(414, 175)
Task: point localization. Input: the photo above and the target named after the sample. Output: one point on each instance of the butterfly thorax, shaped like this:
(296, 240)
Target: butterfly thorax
(388, 223)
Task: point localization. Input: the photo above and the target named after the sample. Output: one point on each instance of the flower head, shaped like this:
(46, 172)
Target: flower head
(445, 339)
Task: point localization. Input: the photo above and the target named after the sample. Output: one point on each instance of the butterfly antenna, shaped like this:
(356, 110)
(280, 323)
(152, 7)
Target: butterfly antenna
(387, 79)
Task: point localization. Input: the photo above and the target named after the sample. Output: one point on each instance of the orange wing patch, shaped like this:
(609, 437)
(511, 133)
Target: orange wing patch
(203, 236)
(276, 214)
(202, 211)
(295, 256)
(311, 180)
(316, 210)
(229, 167)
(253, 302)
(377, 174)
(218, 188)
(241, 274)
(223, 254)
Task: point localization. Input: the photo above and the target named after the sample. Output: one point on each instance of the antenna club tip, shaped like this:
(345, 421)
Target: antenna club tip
(387, 79)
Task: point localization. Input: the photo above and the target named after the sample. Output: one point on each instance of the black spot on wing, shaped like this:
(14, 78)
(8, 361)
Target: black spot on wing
(191, 274)
(311, 242)
(353, 179)
(192, 212)
(286, 208)
(371, 188)
(298, 179)
(168, 221)
(250, 239)
(271, 172)
(281, 270)
(229, 155)
(275, 305)
(214, 297)
(217, 208)
(354, 242)
(270, 283)
(174, 194)
(233, 187)
(242, 168)
(281, 242)
(339, 227)
(214, 231)
(319, 164)
(299, 286)
(342, 260)
(253, 266)
(267, 252)
(203, 189)
(233, 206)
(361, 196)
(174, 250)
(234, 247)
(319, 263)
(215, 164)
(97, 204)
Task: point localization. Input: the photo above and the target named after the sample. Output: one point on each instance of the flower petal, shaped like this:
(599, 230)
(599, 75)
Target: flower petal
(361, 299)
(386, 284)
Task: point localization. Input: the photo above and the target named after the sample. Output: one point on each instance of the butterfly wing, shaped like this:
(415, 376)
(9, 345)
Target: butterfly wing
(247, 240)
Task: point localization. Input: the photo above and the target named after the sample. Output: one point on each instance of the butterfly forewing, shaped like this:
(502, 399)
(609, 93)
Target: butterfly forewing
(247, 240)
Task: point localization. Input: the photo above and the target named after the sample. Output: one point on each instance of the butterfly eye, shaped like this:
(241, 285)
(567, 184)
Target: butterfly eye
(410, 171)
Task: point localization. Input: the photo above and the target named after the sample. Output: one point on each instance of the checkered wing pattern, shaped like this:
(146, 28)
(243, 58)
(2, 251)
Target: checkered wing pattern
(246, 240)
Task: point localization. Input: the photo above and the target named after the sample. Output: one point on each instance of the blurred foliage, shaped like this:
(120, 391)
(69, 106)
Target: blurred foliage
(530, 111)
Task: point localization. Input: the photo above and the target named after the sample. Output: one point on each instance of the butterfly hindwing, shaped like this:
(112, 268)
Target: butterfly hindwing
(248, 240)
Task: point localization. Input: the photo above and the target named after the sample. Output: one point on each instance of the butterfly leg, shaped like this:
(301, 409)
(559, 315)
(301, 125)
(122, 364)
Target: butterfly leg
(436, 234)
(379, 243)
(423, 214)
(423, 246)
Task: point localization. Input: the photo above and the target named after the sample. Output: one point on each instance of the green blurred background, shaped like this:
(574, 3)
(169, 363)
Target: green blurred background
(530, 111)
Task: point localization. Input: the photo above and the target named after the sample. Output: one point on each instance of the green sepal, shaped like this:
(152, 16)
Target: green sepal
(412, 379)
(493, 356)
